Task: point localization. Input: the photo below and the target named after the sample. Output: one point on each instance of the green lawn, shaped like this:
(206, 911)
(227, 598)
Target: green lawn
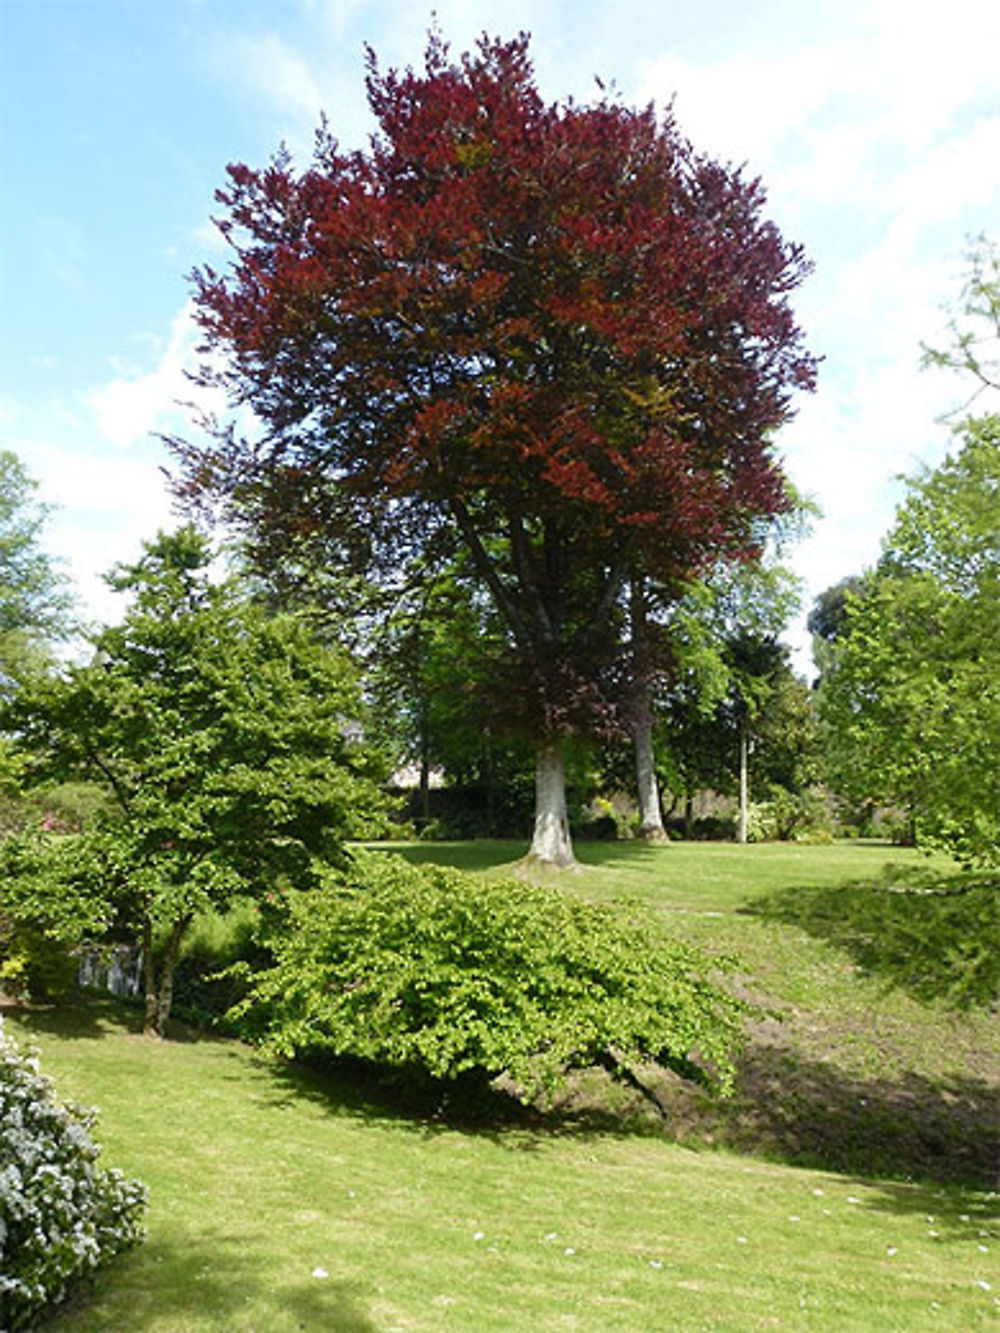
(261, 1177)
(694, 876)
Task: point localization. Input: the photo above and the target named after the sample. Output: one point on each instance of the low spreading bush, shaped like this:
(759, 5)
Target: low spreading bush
(61, 1215)
(423, 967)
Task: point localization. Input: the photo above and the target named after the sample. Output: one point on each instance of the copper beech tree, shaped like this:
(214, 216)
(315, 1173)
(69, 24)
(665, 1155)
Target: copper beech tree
(555, 332)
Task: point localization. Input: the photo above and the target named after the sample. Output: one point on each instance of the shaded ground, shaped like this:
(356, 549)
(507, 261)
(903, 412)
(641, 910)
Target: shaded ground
(808, 1112)
(935, 936)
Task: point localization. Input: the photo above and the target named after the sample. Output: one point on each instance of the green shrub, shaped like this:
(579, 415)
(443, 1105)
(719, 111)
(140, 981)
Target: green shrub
(206, 987)
(790, 817)
(425, 968)
(61, 1215)
(33, 965)
(606, 820)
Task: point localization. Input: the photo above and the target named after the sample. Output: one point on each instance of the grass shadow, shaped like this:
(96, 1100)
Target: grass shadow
(788, 1107)
(802, 1111)
(499, 857)
(87, 1017)
(91, 1015)
(932, 935)
(218, 1277)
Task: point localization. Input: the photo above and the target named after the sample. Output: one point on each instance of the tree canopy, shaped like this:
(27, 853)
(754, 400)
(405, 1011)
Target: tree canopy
(226, 741)
(34, 600)
(911, 701)
(555, 334)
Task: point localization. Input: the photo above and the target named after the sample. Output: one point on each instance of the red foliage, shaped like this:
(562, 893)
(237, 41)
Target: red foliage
(557, 325)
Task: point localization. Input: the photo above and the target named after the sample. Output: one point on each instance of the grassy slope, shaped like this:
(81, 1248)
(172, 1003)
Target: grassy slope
(260, 1176)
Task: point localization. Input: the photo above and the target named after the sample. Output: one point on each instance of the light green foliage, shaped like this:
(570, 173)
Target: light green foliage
(428, 968)
(800, 816)
(61, 1215)
(911, 702)
(33, 598)
(975, 346)
(226, 740)
(734, 681)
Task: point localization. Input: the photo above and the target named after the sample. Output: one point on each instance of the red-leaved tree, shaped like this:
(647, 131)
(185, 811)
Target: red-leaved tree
(555, 332)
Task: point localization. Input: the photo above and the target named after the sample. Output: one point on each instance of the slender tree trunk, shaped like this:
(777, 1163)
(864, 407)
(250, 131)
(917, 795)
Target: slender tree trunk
(424, 796)
(149, 978)
(741, 827)
(688, 816)
(159, 998)
(551, 844)
(425, 767)
(648, 789)
(650, 814)
(167, 969)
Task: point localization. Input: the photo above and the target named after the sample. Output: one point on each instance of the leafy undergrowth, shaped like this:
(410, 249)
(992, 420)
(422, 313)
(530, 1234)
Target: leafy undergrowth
(283, 1198)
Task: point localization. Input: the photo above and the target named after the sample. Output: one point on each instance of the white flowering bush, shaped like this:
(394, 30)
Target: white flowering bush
(61, 1215)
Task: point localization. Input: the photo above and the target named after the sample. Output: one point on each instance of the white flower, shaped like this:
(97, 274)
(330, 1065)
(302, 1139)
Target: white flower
(320, 1272)
(985, 1285)
(569, 1250)
(891, 1250)
(479, 1235)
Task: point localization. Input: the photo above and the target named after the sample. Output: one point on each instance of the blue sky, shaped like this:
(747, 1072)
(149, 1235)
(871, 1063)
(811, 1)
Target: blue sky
(874, 125)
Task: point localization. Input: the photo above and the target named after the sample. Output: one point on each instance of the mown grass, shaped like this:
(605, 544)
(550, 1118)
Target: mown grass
(262, 1175)
(684, 876)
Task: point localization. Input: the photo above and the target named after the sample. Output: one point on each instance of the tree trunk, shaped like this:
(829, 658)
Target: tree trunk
(424, 800)
(167, 969)
(149, 979)
(741, 827)
(550, 844)
(160, 997)
(424, 791)
(650, 815)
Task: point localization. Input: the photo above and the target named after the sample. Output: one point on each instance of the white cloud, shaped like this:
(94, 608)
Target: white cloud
(132, 406)
(269, 66)
(957, 173)
(105, 507)
(743, 107)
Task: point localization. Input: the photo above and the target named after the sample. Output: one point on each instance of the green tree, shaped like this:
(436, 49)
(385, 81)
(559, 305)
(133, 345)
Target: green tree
(227, 741)
(731, 629)
(827, 618)
(911, 704)
(35, 604)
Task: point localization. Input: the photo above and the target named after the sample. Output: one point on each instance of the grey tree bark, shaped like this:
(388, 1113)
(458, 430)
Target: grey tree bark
(550, 843)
